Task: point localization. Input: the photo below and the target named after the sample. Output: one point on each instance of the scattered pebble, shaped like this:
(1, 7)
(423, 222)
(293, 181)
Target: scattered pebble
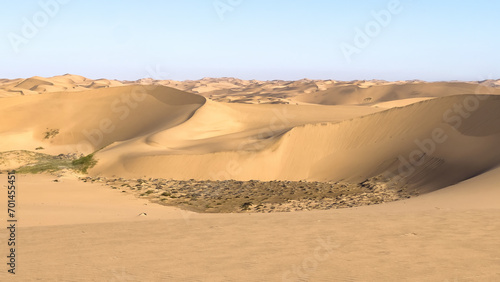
(257, 196)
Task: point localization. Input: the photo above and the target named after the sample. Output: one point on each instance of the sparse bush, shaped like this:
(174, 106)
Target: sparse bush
(39, 148)
(51, 133)
(84, 163)
(45, 165)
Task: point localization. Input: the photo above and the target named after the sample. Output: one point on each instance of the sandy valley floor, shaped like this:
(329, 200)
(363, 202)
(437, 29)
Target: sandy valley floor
(74, 231)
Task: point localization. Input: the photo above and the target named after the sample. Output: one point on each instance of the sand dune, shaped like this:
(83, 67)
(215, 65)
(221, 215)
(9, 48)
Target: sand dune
(437, 142)
(227, 89)
(215, 137)
(158, 131)
(41, 85)
(32, 83)
(400, 102)
(90, 120)
(356, 94)
(379, 145)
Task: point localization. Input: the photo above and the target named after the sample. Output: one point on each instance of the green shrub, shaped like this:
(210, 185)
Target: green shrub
(84, 163)
(45, 165)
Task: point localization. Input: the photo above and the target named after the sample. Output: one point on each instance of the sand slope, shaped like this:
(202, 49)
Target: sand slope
(216, 138)
(356, 94)
(90, 120)
(431, 134)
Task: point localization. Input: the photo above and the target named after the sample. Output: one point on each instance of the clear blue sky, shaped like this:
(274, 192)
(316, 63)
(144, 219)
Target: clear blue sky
(257, 39)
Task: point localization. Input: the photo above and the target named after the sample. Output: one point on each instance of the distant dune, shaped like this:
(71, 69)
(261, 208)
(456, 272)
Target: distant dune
(233, 90)
(354, 94)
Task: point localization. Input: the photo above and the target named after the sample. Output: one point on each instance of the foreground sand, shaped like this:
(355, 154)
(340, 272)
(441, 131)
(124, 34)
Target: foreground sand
(75, 231)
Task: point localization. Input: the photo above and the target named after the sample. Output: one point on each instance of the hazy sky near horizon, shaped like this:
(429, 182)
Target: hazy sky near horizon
(251, 39)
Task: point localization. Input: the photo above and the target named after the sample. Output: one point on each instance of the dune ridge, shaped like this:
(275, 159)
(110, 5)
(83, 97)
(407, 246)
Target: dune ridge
(90, 120)
(334, 151)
